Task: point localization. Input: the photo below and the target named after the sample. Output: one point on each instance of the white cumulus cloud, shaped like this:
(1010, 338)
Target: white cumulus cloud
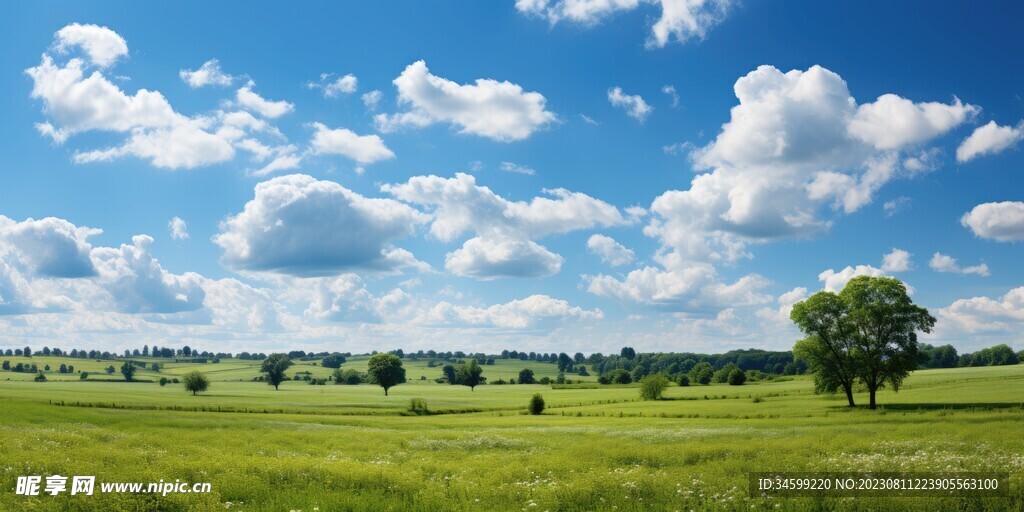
(178, 228)
(504, 229)
(76, 100)
(989, 140)
(897, 260)
(489, 258)
(365, 149)
(680, 20)
(610, 251)
(138, 284)
(1003, 222)
(635, 105)
(836, 281)
(207, 74)
(795, 142)
(533, 311)
(371, 99)
(102, 45)
(264, 107)
(49, 247)
(299, 225)
(333, 86)
(944, 263)
(497, 110)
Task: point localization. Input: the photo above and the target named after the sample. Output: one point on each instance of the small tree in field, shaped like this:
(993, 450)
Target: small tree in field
(83, 375)
(386, 370)
(274, 366)
(684, 380)
(737, 377)
(526, 376)
(652, 386)
(195, 382)
(469, 374)
(128, 370)
(536, 404)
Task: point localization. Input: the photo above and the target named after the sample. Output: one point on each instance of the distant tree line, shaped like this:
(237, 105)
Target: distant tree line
(946, 356)
(636, 366)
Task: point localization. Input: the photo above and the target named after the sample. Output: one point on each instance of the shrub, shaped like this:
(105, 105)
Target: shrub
(163, 381)
(620, 376)
(333, 361)
(536, 404)
(40, 377)
(83, 375)
(418, 406)
(349, 377)
(545, 380)
(737, 377)
(653, 386)
(701, 373)
(722, 375)
(684, 380)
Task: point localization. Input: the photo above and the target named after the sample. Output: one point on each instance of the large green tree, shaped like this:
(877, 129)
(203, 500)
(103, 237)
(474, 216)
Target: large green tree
(274, 366)
(386, 370)
(866, 334)
(886, 323)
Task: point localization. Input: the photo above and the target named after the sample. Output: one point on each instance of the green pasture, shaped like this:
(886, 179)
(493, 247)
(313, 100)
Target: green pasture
(336, 447)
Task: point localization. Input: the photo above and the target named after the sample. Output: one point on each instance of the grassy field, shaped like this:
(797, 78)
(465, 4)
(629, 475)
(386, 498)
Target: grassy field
(325, 448)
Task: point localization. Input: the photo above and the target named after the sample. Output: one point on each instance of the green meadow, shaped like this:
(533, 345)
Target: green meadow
(338, 447)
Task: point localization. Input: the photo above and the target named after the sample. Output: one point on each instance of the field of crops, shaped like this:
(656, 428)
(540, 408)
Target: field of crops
(338, 447)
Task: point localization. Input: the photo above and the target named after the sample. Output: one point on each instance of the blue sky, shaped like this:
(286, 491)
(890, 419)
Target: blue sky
(489, 175)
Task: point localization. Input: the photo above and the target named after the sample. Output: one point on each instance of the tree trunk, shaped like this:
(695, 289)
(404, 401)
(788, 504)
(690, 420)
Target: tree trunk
(872, 404)
(385, 391)
(849, 395)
